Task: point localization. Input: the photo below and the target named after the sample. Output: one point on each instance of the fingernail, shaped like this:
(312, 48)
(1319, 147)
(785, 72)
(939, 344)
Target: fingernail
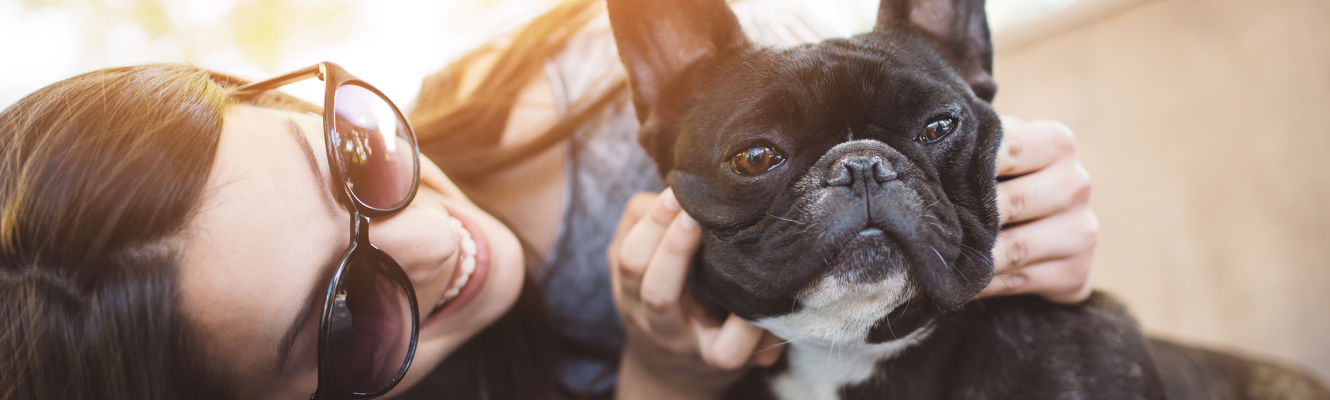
(668, 200)
(687, 221)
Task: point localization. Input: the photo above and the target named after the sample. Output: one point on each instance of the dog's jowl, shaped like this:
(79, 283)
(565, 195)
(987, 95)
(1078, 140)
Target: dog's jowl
(846, 192)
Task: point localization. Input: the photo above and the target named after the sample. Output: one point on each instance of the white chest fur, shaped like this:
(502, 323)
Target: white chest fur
(818, 370)
(828, 346)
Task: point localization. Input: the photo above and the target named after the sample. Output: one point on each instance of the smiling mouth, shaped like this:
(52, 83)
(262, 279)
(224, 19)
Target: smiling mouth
(466, 266)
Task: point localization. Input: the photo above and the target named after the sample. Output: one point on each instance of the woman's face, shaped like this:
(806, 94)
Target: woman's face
(269, 231)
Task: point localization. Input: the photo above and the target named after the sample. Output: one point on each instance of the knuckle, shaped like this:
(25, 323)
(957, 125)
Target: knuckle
(1008, 282)
(1060, 136)
(1081, 193)
(631, 264)
(1090, 234)
(1014, 148)
(656, 302)
(1016, 202)
(1016, 251)
(1055, 128)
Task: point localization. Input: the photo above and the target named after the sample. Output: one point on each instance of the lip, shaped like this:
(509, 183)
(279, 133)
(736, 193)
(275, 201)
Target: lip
(475, 283)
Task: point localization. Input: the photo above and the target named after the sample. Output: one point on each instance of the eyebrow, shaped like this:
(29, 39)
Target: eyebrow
(298, 134)
(285, 345)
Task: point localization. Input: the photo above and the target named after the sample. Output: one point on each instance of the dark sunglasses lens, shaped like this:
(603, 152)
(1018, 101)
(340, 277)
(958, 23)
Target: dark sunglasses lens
(370, 334)
(373, 146)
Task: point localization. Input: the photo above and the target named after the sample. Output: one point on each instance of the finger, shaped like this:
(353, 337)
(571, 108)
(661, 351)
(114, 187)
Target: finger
(639, 245)
(1062, 235)
(1065, 281)
(1003, 284)
(1010, 122)
(730, 346)
(1032, 146)
(768, 350)
(663, 282)
(1050, 190)
(637, 206)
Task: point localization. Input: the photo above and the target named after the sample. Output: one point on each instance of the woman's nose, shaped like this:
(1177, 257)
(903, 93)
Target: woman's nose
(423, 243)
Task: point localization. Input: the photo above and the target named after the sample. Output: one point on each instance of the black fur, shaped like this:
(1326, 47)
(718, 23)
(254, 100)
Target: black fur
(861, 195)
(1019, 347)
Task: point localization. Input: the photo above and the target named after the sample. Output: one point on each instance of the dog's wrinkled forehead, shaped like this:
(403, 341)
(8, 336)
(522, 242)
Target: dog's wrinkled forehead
(823, 94)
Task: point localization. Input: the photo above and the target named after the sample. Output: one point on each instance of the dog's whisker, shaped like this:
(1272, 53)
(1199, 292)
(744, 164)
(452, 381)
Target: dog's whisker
(967, 251)
(805, 336)
(785, 219)
(949, 268)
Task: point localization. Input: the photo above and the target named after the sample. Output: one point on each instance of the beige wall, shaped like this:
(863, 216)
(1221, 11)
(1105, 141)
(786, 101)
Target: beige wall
(1206, 127)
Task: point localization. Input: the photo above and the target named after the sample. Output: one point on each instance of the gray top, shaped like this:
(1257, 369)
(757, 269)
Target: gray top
(606, 167)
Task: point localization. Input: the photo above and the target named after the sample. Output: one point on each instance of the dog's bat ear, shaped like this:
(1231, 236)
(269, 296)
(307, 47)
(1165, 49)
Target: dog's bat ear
(960, 29)
(663, 44)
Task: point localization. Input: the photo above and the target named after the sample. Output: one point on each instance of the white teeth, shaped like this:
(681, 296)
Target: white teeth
(468, 266)
(468, 245)
(467, 261)
(450, 294)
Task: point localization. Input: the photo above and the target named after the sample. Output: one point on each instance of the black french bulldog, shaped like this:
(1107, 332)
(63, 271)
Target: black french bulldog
(846, 194)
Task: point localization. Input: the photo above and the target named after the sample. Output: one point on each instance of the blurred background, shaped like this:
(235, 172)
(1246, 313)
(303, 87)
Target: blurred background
(392, 43)
(1204, 126)
(1203, 122)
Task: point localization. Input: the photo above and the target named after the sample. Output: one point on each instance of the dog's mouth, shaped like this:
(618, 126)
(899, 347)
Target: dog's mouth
(845, 306)
(868, 255)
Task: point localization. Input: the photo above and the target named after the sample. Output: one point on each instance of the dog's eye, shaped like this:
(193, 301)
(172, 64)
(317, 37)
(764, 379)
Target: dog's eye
(756, 160)
(937, 129)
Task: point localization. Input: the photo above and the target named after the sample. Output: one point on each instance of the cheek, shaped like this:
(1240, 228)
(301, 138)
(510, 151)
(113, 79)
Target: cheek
(500, 291)
(434, 178)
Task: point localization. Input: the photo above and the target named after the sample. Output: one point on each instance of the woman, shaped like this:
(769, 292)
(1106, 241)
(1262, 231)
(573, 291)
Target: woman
(168, 234)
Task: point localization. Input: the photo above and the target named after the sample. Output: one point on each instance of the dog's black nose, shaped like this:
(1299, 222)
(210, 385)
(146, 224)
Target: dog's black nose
(860, 167)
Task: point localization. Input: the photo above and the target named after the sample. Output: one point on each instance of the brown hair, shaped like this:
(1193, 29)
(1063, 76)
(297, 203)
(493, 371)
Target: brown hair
(460, 127)
(97, 175)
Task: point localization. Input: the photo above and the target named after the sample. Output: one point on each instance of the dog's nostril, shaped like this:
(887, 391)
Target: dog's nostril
(841, 177)
(859, 167)
(881, 173)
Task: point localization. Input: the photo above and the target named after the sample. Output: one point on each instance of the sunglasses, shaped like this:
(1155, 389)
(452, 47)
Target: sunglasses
(369, 325)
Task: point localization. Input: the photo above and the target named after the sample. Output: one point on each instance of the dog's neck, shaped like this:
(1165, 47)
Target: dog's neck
(819, 369)
(829, 346)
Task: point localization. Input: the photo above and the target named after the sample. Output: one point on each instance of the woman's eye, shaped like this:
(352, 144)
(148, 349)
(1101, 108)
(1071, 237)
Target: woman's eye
(756, 160)
(937, 129)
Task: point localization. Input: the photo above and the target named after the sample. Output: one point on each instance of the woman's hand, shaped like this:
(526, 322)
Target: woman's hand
(1048, 230)
(673, 349)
